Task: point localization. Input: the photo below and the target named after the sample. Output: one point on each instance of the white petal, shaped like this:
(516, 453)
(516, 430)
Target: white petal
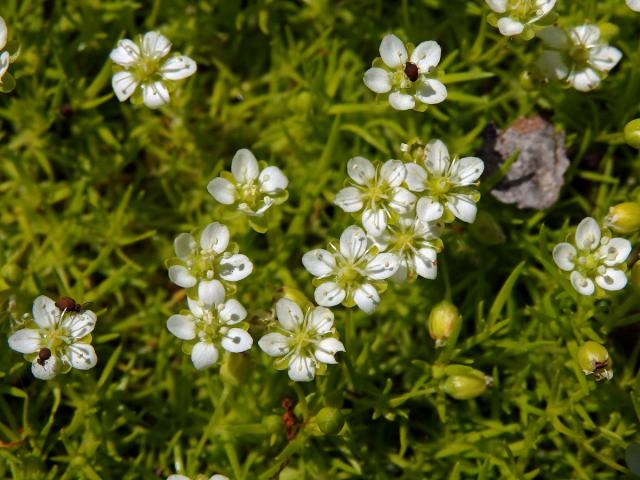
(204, 355)
(401, 101)
(510, 27)
(289, 314)
(612, 279)
(402, 201)
(274, 344)
(215, 236)
(329, 294)
(374, 221)
(196, 307)
(382, 266)
(184, 245)
(604, 57)
(320, 320)
(552, 65)
(45, 312)
(584, 80)
(564, 255)
(616, 251)
(353, 243)
(467, 170)
(235, 268)
(587, 35)
(272, 180)
(367, 298)
(46, 371)
(178, 67)
(361, 170)
(393, 51)
(583, 285)
(178, 477)
(438, 159)
(462, 207)
(393, 173)
(81, 356)
(425, 263)
(543, 7)
(588, 234)
(5, 60)
(431, 91)
(218, 477)
(155, 94)
(233, 312)
(244, 166)
(124, 84)
(181, 276)
(3, 33)
(319, 262)
(125, 54)
(429, 210)
(26, 340)
(377, 80)
(632, 4)
(155, 45)
(302, 369)
(416, 177)
(326, 350)
(426, 55)
(79, 324)
(182, 326)
(498, 6)
(237, 340)
(349, 199)
(222, 190)
(210, 293)
(554, 37)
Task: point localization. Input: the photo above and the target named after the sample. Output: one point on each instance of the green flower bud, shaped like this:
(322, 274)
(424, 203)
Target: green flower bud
(443, 320)
(272, 423)
(235, 369)
(594, 360)
(624, 218)
(330, 420)
(635, 277)
(486, 230)
(632, 133)
(465, 383)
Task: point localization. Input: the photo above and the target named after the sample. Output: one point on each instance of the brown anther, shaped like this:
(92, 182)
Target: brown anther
(411, 71)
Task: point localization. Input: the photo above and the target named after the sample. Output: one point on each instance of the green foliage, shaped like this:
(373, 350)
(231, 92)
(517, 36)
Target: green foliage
(94, 192)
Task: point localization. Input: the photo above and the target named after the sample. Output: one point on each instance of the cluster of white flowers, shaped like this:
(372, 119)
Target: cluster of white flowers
(401, 206)
(143, 64)
(208, 270)
(595, 260)
(60, 339)
(6, 58)
(517, 16)
(184, 477)
(407, 76)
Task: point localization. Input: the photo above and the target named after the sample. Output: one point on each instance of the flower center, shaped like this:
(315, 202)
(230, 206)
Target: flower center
(411, 71)
(439, 186)
(348, 274)
(579, 54)
(522, 9)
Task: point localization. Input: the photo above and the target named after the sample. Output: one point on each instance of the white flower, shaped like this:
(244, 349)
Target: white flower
(416, 244)
(406, 77)
(634, 5)
(5, 57)
(448, 186)
(252, 189)
(183, 477)
(304, 341)
(58, 343)
(594, 259)
(377, 192)
(578, 57)
(210, 324)
(350, 273)
(144, 65)
(209, 259)
(516, 15)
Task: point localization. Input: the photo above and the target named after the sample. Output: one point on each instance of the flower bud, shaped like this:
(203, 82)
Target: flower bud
(444, 319)
(635, 277)
(632, 133)
(330, 420)
(624, 218)
(465, 383)
(594, 360)
(235, 369)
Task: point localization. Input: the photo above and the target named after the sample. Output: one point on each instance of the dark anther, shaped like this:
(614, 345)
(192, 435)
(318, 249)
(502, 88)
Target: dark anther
(411, 71)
